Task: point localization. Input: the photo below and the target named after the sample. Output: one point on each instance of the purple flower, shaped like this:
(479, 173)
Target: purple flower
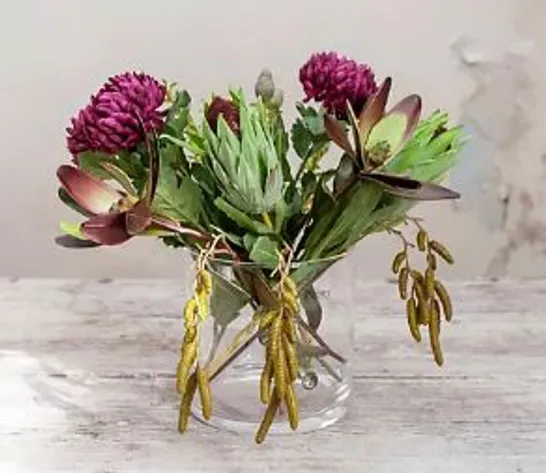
(333, 80)
(110, 122)
(228, 110)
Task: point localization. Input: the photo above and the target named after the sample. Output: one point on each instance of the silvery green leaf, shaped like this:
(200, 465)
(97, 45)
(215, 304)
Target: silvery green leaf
(211, 141)
(226, 299)
(273, 188)
(228, 159)
(311, 305)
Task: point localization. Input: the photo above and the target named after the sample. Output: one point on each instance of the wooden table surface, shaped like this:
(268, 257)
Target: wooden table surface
(86, 386)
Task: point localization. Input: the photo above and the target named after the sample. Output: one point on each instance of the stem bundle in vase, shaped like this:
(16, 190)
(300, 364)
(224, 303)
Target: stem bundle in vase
(236, 187)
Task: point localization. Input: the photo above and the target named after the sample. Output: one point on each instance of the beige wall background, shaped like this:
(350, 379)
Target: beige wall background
(482, 60)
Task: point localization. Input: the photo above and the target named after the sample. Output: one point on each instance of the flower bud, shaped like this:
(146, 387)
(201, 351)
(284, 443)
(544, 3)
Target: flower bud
(265, 87)
(227, 109)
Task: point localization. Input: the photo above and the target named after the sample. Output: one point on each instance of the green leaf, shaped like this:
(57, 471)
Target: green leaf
(240, 218)
(120, 177)
(180, 202)
(226, 299)
(264, 252)
(91, 162)
(177, 118)
(302, 139)
(73, 229)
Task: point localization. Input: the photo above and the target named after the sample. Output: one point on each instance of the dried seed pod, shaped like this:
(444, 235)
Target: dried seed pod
(434, 335)
(185, 403)
(291, 359)
(204, 392)
(431, 261)
(268, 418)
(411, 310)
(292, 407)
(289, 328)
(441, 251)
(403, 282)
(429, 282)
(445, 300)
(265, 381)
(421, 239)
(397, 261)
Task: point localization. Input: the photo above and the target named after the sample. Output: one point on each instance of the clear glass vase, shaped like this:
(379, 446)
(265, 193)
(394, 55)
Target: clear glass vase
(233, 342)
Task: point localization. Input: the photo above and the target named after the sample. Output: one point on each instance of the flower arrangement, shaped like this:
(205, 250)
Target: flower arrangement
(233, 185)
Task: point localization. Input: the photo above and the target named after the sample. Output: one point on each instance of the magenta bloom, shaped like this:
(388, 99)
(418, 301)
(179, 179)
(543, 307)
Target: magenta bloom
(220, 106)
(333, 80)
(111, 122)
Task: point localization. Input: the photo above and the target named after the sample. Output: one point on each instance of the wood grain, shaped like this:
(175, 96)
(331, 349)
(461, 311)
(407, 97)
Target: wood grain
(86, 372)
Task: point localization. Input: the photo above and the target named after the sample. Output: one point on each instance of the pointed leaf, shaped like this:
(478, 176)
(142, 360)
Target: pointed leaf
(226, 299)
(374, 110)
(88, 192)
(64, 196)
(69, 241)
(337, 134)
(311, 304)
(410, 188)
(358, 143)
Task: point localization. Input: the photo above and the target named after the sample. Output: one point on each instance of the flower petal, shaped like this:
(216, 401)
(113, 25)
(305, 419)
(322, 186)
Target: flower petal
(374, 110)
(107, 229)
(88, 192)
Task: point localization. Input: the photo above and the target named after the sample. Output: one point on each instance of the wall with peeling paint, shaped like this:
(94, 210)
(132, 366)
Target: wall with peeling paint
(483, 61)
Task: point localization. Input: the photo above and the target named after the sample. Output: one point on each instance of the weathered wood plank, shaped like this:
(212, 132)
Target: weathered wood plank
(86, 371)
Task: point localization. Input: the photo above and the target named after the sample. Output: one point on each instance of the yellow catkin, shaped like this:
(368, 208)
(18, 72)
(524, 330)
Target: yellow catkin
(441, 251)
(397, 261)
(203, 303)
(445, 300)
(429, 282)
(184, 367)
(290, 286)
(268, 419)
(421, 240)
(265, 381)
(289, 327)
(417, 276)
(280, 372)
(403, 282)
(434, 335)
(291, 303)
(291, 358)
(292, 407)
(422, 304)
(274, 336)
(411, 310)
(205, 280)
(185, 403)
(431, 261)
(267, 318)
(189, 311)
(204, 392)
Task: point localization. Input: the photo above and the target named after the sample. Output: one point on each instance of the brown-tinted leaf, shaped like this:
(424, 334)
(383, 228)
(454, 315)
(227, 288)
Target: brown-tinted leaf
(374, 110)
(353, 123)
(337, 134)
(138, 218)
(70, 242)
(408, 188)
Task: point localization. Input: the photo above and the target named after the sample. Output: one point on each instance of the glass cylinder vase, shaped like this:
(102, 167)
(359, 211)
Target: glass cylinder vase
(235, 343)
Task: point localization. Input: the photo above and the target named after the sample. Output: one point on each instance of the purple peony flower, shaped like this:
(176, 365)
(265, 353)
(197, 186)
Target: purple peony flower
(228, 110)
(110, 122)
(333, 80)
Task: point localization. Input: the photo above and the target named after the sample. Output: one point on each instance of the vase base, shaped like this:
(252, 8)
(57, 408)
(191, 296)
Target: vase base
(237, 407)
